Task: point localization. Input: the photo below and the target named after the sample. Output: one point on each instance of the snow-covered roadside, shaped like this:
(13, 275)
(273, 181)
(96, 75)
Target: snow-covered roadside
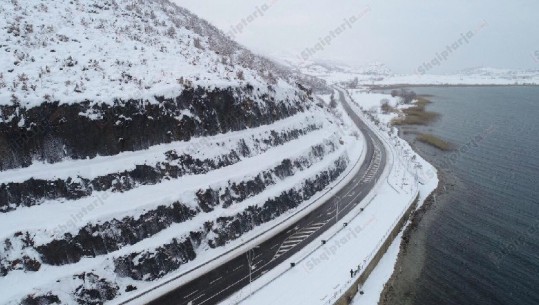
(325, 269)
(374, 285)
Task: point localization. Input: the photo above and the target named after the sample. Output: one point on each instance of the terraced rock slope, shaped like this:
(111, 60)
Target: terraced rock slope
(137, 141)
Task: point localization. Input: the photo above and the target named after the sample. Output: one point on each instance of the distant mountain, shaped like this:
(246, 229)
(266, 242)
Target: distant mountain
(334, 72)
(325, 67)
(508, 74)
(379, 74)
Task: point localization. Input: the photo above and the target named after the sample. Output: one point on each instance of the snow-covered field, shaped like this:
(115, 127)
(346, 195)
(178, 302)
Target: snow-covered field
(322, 273)
(378, 74)
(480, 77)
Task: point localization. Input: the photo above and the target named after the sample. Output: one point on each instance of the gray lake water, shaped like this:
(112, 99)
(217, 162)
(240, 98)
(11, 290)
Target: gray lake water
(482, 247)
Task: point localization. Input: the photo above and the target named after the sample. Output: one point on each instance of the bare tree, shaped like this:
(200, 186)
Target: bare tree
(171, 32)
(386, 108)
(197, 43)
(240, 75)
(332, 101)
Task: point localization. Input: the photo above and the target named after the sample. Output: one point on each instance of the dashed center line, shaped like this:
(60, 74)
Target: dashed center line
(216, 280)
(185, 297)
(197, 298)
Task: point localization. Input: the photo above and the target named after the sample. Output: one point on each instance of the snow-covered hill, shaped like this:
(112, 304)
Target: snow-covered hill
(138, 142)
(71, 51)
(325, 69)
(322, 68)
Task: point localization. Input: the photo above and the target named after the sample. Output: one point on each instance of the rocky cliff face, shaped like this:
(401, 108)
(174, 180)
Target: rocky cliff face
(52, 132)
(134, 138)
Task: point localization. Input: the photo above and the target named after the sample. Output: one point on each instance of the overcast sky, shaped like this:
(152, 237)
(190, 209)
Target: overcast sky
(403, 34)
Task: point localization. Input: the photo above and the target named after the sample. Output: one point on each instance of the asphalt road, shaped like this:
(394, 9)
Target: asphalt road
(215, 286)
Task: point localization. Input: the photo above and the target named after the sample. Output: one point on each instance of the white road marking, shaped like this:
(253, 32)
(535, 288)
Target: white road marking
(185, 297)
(289, 242)
(216, 280)
(299, 236)
(197, 297)
(302, 236)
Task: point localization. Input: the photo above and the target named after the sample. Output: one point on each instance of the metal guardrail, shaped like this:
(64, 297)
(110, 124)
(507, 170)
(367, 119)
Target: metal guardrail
(368, 259)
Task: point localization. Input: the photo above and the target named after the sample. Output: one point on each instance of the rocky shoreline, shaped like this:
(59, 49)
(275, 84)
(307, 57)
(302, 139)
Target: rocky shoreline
(400, 288)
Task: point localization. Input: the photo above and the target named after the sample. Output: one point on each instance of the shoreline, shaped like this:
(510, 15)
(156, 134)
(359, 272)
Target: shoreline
(400, 86)
(411, 255)
(400, 287)
(417, 115)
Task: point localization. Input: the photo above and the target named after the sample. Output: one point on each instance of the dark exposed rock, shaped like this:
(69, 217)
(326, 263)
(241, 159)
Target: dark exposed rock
(98, 239)
(23, 262)
(35, 191)
(94, 290)
(207, 199)
(149, 266)
(102, 238)
(47, 299)
(53, 131)
(31, 264)
(237, 192)
(30, 191)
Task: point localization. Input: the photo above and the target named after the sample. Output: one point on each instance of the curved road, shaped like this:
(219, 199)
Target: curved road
(215, 286)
